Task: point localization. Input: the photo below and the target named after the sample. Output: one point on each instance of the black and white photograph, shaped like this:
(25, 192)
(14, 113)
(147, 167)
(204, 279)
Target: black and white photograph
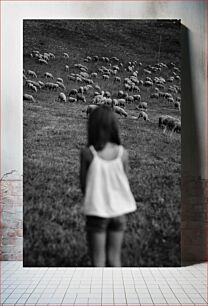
(101, 143)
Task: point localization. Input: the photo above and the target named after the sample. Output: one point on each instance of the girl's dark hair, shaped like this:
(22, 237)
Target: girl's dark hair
(102, 128)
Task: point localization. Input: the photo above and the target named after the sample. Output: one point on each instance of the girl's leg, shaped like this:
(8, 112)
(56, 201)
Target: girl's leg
(97, 245)
(114, 243)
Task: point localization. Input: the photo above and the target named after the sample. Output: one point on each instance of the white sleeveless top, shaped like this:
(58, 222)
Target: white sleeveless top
(108, 192)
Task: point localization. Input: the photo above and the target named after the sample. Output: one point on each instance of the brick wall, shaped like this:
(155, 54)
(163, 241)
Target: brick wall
(11, 220)
(194, 225)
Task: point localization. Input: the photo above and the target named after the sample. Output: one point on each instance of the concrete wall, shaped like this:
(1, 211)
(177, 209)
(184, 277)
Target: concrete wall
(193, 15)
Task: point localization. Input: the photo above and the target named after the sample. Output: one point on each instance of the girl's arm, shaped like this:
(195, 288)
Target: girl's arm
(125, 160)
(85, 160)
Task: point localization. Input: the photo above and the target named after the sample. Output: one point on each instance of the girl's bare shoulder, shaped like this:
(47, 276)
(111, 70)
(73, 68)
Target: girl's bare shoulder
(86, 154)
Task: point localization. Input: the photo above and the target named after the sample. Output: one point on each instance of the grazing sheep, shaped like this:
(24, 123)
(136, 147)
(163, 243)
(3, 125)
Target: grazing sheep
(51, 55)
(42, 61)
(130, 99)
(143, 115)
(61, 85)
(48, 75)
(62, 97)
(94, 74)
(41, 84)
(137, 98)
(117, 79)
(66, 68)
(28, 97)
(105, 77)
(168, 122)
(71, 99)
(32, 87)
(120, 94)
(66, 55)
(81, 97)
(177, 105)
(121, 102)
(142, 105)
(50, 85)
(73, 92)
(60, 80)
(154, 95)
(32, 73)
(120, 111)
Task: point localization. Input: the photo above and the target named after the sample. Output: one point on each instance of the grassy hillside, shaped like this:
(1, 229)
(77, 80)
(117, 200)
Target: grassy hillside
(54, 132)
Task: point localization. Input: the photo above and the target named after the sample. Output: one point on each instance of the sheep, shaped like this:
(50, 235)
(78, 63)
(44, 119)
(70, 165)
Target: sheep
(120, 94)
(105, 77)
(142, 105)
(148, 84)
(41, 84)
(81, 97)
(90, 108)
(107, 94)
(62, 97)
(32, 87)
(51, 55)
(66, 68)
(137, 98)
(130, 99)
(73, 92)
(143, 115)
(121, 102)
(61, 85)
(60, 80)
(34, 83)
(119, 111)
(28, 97)
(48, 75)
(71, 99)
(66, 55)
(117, 79)
(98, 98)
(50, 85)
(177, 105)
(94, 74)
(168, 122)
(42, 61)
(170, 100)
(32, 73)
(154, 95)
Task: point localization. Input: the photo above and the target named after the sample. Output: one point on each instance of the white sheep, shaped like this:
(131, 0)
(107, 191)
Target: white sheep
(42, 61)
(142, 105)
(137, 98)
(71, 99)
(73, 91)
(61, 85)
(48, 75)
(66, 68)
(28, 97)
(32, 73)
(120, 111)
(60, 80)
(117, 79)
(66, 55)
(62, 97)
(143, 115)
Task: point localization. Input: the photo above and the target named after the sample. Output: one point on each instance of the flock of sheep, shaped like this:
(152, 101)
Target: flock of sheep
(84, 82)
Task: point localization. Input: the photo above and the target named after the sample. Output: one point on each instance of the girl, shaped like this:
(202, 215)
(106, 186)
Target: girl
(104, 183)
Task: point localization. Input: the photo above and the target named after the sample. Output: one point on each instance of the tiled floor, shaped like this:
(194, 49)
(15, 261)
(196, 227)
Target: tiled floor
(97, 286)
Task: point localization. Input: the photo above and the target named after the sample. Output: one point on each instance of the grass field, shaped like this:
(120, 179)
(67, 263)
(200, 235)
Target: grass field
(54, 133)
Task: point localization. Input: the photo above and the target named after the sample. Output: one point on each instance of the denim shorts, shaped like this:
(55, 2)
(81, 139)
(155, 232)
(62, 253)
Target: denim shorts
(99, 224)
